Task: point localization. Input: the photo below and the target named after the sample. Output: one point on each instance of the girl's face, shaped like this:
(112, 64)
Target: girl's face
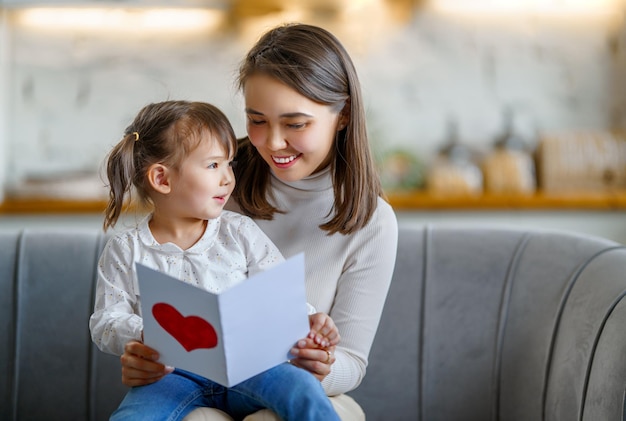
(204, 181)
(293, 134)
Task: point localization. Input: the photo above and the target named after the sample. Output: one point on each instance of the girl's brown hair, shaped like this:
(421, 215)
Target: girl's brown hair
(164, 132)
(313, 62)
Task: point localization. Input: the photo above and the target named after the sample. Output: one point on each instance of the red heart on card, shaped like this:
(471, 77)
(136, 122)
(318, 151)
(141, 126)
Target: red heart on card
(192, 332)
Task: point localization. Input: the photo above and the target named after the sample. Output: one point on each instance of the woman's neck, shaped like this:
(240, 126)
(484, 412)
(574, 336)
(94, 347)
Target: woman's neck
(319, 181)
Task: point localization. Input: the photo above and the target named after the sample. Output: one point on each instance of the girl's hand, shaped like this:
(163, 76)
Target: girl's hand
(313, 358)
(140, 366)
(323, 330)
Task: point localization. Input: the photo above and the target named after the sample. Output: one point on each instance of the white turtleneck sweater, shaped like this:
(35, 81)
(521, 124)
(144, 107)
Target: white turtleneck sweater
(347, 276)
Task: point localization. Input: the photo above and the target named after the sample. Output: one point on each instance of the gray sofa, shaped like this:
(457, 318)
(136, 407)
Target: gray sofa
(480, 324)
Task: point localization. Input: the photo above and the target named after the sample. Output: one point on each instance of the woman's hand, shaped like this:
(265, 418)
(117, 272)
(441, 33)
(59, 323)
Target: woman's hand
(323, 330)
(313, 358)
(316, 353)
(140, 366)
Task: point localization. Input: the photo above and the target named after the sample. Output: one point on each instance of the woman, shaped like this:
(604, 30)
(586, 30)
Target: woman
(305, 174)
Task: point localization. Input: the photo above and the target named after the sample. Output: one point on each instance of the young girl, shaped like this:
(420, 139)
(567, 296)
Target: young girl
(306, 176)
(177, 155)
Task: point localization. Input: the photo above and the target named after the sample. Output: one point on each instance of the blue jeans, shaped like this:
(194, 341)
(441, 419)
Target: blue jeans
(291, 392)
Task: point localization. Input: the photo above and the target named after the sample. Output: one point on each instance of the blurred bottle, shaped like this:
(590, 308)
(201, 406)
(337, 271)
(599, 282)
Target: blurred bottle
(509, 168)
(453, 171)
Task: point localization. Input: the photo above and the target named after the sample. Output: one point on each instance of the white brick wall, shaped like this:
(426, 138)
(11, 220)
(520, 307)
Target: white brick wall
(556, 76)
(4, 97)
(71, 95)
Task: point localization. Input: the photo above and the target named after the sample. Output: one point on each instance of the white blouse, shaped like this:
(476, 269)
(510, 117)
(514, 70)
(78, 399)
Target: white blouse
(231, 249)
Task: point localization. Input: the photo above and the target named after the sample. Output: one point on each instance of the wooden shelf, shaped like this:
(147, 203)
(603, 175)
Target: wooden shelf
(403, 201)
(50, 206)
(421, 200)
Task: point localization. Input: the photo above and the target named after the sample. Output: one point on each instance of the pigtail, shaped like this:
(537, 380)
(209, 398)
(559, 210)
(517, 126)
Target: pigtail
(120, 173)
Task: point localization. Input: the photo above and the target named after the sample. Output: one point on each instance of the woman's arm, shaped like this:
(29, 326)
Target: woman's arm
(349, 279)
(360, 295)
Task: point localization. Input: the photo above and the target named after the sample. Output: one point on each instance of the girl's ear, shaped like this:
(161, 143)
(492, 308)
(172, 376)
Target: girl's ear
(159, 178)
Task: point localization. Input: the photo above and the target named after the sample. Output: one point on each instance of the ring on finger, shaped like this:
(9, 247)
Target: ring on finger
(330, 354)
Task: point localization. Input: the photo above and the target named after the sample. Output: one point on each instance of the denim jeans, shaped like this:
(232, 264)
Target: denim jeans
(291, 392)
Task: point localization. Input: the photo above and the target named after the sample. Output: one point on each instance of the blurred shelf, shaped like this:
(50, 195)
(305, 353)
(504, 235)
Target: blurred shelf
(47, 206)
(422, 200)
(50, 206)
(404, 201)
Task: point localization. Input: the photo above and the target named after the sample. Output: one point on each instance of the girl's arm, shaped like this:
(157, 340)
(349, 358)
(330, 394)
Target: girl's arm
(117, 318)
(261, 252)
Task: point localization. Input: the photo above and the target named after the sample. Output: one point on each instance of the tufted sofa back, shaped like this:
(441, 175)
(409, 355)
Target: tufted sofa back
(500, 324)
(51, 369)
(480, 324)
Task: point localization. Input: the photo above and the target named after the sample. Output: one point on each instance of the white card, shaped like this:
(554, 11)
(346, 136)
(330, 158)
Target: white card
(227, 337)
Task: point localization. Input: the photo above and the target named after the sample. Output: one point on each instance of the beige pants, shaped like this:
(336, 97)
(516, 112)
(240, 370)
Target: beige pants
(346, 407)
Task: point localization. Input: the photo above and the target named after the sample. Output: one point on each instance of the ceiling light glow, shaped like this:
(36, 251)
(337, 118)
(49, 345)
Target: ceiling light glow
(540, 7)
(120, 20)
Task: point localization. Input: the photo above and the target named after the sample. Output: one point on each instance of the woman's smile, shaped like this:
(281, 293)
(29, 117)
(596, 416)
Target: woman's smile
(285, 160)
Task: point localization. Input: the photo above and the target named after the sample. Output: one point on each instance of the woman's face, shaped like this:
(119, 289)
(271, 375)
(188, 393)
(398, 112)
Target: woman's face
(293, 134)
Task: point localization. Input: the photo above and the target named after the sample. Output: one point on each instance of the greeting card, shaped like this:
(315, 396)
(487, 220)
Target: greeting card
(227, 337)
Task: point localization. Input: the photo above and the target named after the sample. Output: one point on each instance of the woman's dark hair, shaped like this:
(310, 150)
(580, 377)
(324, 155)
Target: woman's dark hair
(164, 132)
(313, 62)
